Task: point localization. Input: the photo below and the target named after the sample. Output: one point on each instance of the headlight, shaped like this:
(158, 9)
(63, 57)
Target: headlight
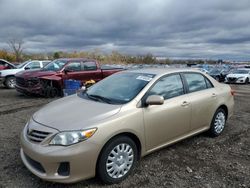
(72, 137)
(240, 78)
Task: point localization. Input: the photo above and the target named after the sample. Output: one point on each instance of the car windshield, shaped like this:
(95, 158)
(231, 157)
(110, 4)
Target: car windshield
(240, 71)
(22, 64)
(55, 65)
(119, 88)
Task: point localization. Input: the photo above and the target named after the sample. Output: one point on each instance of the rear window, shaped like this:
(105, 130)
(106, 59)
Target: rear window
(88, 66)
(168, 87)
(195, 82)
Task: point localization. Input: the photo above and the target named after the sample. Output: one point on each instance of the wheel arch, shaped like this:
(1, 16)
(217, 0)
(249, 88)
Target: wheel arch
(10, 75)
(224, 107)
(128, 134)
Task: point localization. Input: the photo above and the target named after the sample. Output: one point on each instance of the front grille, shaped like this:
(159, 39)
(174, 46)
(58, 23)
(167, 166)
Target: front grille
(20, 81)
(37, 136)
(232, 79)
(32, 82)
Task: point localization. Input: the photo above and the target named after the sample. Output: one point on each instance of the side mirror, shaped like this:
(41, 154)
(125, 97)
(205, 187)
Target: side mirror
(154, 100)
(66, 70)
(27, 68)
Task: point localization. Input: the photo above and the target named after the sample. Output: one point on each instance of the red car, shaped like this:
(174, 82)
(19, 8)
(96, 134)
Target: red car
(49, 81)
(5, 65)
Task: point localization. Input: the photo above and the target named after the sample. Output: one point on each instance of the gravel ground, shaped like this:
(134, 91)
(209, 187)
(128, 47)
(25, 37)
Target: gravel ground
(199, 161)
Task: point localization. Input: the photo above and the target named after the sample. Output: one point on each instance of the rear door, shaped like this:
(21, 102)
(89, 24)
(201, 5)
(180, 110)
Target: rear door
(203, 99)
(73, 70)
(171, 120)
(91, 71)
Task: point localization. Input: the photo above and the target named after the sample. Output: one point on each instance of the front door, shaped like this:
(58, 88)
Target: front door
(171, 120)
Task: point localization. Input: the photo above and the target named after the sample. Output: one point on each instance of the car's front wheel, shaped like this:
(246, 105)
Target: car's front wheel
(218, 123)
(10, 82)
(117, 160)
(247, 80)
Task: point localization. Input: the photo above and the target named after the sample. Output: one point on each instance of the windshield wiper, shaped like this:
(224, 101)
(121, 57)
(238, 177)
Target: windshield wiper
(99, 98)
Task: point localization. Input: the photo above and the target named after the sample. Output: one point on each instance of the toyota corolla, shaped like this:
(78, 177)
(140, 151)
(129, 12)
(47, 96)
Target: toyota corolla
(105, 130)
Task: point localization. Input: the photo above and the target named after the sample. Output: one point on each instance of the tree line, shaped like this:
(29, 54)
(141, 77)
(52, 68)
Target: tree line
(17, 55)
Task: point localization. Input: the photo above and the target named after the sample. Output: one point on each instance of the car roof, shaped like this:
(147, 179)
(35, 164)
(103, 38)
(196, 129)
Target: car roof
(75, 59)
(162, 71)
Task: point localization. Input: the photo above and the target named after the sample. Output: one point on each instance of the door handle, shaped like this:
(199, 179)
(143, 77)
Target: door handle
(213, 95)
(185, 103)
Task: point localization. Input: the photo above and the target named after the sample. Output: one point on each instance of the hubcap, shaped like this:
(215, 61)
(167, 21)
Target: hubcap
(219, 122)
(120, 160)
(12, 83)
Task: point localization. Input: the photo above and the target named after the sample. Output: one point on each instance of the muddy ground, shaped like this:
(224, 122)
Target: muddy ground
(196, 162)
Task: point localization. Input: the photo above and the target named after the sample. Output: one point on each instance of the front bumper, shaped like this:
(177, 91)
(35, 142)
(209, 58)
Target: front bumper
(27, 90)
(2, 79)
(46, 161)
(235, 80)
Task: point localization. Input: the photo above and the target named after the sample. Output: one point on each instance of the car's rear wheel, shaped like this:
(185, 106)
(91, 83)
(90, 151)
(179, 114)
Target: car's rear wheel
(10, 82)
(218, 123)
(117, 160)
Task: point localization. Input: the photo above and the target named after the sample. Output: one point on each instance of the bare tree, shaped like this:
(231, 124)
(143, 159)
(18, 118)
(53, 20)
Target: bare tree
(16, 46)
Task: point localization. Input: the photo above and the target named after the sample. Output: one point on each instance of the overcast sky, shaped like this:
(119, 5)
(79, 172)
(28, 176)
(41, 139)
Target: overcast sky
(172, 28)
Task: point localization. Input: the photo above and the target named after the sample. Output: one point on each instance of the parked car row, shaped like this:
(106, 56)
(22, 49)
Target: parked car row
(227, 73)
(47, 78)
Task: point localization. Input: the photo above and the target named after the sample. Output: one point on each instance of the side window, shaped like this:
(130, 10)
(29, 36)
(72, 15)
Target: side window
(87, 66)
(168, 87)
(34, 65)
(195, 81)
(73, 66)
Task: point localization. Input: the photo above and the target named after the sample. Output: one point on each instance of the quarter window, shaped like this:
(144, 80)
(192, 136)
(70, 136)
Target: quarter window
(168, 87)
(195, 82)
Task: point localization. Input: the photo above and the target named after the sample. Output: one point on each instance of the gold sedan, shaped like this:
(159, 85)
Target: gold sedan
(105, 130)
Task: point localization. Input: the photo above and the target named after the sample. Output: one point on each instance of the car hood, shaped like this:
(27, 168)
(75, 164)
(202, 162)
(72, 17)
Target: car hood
(74, 113)
(7, 72)
(237, 75)
(34, 73)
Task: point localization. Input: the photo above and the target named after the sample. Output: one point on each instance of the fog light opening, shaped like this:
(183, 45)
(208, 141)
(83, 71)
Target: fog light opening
(64, 169)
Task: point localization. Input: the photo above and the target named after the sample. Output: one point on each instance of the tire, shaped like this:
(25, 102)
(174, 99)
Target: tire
(218, 123)
(10, 82)
(113, 165)
(247, 81)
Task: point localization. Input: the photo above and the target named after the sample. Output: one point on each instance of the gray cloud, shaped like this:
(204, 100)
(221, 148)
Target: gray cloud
(172, 28)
